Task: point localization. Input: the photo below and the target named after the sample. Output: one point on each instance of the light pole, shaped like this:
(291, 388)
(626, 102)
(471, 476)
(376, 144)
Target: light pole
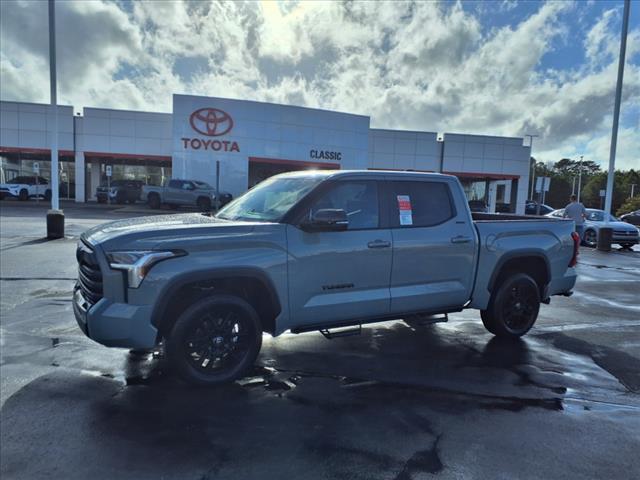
(579, 177)
(616, 109)
(55, 216)
(533, 169)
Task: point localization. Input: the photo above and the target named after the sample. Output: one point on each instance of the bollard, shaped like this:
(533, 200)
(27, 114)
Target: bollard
(604, 239)
(55, 224)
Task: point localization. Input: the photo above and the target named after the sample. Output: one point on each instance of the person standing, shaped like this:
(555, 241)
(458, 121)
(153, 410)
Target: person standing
(576, 212)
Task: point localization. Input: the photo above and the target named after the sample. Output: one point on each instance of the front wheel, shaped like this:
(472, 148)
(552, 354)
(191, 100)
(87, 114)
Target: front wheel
(154, 201)
(513, 308)
(590, 238)
(215, 340)
(23, 195)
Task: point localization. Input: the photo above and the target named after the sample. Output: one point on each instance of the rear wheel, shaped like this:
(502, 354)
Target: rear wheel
(23, 195)
(590, 238)
(215, 340)
(153, 200)
(513, 308)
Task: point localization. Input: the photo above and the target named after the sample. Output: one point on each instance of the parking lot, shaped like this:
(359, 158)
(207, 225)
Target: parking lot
(397, 402)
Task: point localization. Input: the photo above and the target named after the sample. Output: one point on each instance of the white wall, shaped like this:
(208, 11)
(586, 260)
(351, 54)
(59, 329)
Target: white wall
(400, 150)
(28, 126)
(264, 130)
(126, 132)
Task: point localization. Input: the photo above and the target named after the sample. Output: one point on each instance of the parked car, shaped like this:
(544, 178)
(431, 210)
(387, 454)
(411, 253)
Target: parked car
(478, 206)
(307, 251)
(631, 217)
(120, 191)
(531, 208)
(178, 192)
(624, 234)
(26, 187)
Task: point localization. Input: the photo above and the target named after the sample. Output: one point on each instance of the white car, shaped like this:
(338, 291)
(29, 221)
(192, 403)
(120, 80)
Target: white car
(24, 188)
(624, 234)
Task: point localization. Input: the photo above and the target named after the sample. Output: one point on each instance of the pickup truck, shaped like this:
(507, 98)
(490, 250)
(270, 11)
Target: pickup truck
(309, 251)
(24, 188)
(119, 191)
(183, 193)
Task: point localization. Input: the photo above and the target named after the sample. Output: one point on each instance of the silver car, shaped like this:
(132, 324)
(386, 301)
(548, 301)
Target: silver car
(624, 234)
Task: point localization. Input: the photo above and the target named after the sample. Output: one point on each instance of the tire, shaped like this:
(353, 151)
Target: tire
(131, 201)
(204, 335)
(153, 200)
(513, 307)
(23, 196)
(120, 199)
(590, 238)
(628, 246)
(47, 195)
(204, 204)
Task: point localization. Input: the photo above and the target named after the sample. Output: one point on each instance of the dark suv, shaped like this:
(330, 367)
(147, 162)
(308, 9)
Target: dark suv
(120, 191)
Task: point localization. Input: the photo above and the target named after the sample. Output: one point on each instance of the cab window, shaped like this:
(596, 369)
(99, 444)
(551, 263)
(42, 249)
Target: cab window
(358, 199)
(420, 204)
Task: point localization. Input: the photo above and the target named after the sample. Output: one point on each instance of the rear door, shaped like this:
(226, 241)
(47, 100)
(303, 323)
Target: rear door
(433, 246)
(173, 191)
(341, 275)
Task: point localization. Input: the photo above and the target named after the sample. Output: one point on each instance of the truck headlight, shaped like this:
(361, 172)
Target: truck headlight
(138, 263)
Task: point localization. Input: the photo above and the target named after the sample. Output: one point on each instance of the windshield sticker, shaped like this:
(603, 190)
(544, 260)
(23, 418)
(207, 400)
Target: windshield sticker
(404, 207)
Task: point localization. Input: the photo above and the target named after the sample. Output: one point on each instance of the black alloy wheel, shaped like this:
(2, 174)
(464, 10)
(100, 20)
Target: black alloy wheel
(590, 238)
(154, 200)
(514, 306)
(215, 340)
(23, 195)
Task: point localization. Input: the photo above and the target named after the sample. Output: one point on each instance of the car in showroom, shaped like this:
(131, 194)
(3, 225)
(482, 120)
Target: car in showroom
(26, 187)
(624, 234)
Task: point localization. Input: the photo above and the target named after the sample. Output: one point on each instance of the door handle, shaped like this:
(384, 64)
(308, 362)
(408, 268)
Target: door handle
(460, 239)
(379, 244)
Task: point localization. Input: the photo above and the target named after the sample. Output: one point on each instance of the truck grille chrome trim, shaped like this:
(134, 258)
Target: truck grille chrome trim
(89, 274)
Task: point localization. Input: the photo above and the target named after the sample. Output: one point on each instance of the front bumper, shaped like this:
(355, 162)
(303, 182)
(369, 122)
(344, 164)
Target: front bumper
(115, 324)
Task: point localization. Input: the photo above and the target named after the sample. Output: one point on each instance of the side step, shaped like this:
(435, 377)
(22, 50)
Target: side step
(341, 332)
(424, 320)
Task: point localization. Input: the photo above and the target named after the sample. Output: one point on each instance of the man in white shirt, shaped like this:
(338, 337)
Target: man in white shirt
(576, 212)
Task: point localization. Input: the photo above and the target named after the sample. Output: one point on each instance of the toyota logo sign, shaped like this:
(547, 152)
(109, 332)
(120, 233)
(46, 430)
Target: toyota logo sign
(212, 122)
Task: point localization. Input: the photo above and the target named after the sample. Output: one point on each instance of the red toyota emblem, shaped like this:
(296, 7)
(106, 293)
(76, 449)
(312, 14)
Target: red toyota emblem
(212, 122)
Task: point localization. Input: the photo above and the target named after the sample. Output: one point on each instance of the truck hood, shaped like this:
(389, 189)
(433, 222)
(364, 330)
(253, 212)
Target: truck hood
(148, 232)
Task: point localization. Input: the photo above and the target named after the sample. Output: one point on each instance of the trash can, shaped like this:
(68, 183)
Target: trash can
(604, 239)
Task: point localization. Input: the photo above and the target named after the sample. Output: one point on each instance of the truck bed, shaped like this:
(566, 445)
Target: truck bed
(502, 237)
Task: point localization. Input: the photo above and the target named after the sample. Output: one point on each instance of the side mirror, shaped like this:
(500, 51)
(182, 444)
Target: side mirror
(327, 220)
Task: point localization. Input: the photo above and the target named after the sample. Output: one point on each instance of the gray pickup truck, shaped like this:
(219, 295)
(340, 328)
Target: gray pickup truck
(311, 251)
(192, 193)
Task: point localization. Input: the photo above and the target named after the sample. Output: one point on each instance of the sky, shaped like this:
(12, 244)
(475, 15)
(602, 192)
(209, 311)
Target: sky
(497, 68)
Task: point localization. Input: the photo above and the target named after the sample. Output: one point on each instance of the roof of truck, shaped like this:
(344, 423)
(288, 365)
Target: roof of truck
(373, 173)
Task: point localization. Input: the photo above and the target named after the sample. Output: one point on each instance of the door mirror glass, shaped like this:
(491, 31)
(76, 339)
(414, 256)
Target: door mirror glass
(327, 219)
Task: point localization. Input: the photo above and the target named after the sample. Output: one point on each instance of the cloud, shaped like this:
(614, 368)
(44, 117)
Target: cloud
(419, 66)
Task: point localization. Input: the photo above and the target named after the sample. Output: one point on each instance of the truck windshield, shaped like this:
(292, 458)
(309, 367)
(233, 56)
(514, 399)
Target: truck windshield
(270, 200)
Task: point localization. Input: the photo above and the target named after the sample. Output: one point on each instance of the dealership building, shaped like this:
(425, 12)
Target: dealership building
(245, 142)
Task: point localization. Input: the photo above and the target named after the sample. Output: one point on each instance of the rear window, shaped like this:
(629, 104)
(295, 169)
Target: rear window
(420, 204)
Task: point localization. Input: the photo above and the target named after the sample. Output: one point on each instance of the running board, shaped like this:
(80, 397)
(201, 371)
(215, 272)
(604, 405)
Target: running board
(423, 320)
(344, 332)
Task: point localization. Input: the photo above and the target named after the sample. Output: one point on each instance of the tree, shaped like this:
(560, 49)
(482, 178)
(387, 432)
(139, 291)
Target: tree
(591, 191)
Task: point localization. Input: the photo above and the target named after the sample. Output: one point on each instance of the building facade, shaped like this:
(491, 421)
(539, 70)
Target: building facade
(238, 143)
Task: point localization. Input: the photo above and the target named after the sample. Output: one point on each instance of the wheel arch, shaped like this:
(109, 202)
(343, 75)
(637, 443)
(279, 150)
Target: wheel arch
(532, 262)
(248, 283)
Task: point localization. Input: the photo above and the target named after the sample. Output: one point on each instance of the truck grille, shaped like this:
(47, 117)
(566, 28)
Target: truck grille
(89, 274)
(624, 233)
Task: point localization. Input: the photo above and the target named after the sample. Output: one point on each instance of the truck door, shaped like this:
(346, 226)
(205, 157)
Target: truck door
(433, 247)
(340, 275)
(173, 191)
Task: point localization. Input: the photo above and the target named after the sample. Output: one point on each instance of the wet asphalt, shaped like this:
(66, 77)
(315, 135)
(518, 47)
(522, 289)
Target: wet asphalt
(397, 402)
